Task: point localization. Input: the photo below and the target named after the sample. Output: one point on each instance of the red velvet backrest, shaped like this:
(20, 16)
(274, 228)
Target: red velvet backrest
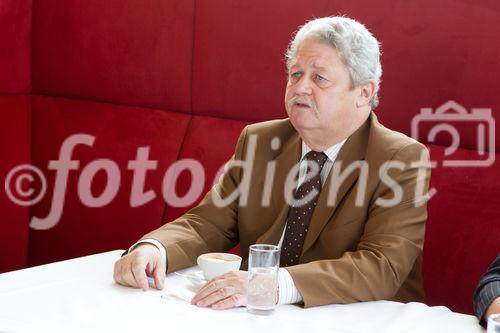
(462, 230)
(118, 132)
(210, 141)
(15, 79)
(15, 55)
(129, 52)
(433, 52)
(15, 151)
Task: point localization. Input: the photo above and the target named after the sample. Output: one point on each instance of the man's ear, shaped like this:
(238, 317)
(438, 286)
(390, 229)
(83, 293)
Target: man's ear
(366, 92)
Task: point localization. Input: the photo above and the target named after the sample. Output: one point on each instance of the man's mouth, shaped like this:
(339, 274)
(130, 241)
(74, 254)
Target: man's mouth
(303, 105)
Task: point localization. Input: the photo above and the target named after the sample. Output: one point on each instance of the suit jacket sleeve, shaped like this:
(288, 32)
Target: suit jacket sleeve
(386, 253)
(487, 290)
(207, 227)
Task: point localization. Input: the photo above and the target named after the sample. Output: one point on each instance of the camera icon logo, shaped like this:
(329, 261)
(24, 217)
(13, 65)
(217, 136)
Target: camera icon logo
(443, 119)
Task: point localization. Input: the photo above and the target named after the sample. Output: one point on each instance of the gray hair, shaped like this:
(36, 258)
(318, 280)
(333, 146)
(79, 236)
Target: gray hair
(357, 48)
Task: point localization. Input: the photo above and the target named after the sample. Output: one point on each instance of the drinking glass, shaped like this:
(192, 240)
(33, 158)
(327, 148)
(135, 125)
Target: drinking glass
(263, 265)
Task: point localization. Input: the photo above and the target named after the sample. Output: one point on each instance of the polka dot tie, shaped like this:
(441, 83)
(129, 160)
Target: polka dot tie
(299, 214)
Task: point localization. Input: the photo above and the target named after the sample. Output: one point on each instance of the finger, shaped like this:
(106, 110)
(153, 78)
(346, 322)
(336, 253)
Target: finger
(218, 295)
(128, 278)
(139, 273)
(159, 276)
(116, 270)
(229, 279)
(230, 302)
(213, 284)
(149, 269)
(206, 290)
(122, 273)
(119, 279)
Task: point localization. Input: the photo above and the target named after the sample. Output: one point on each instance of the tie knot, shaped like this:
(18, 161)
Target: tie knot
(317, 157)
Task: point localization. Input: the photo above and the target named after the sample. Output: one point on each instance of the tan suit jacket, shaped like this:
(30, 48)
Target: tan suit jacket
(351, 253)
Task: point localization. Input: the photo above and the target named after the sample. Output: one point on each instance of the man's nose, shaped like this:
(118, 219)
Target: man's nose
(303, 86)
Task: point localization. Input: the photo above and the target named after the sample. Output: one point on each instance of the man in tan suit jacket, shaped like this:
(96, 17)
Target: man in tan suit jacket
(366, 233)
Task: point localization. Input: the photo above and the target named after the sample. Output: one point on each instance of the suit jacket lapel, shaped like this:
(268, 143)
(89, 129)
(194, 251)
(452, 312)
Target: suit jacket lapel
(289, 156)
(286, 160)
(352, 151)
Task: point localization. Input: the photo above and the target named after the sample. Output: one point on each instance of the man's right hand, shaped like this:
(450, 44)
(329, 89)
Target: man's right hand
(133, 268)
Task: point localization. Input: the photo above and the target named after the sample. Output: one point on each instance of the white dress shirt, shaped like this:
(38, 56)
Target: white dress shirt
(288, 292)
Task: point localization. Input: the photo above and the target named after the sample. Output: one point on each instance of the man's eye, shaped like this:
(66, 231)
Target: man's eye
(295, 75)
(320, 78)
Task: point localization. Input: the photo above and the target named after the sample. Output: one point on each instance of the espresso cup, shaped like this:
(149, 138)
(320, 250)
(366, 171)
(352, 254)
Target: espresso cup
(215, 264)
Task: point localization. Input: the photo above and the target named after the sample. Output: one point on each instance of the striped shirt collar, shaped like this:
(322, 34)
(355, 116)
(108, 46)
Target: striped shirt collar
(331, 152)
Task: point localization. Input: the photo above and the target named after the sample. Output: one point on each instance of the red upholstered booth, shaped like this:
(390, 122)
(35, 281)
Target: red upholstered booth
(181, 78)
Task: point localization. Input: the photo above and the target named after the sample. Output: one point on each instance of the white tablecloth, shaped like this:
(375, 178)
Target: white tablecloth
(79, 295)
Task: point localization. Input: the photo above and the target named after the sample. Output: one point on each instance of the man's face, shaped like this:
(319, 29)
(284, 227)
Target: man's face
(318, 77)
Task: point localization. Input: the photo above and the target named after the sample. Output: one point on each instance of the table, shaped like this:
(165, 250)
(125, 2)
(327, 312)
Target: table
(79, 295)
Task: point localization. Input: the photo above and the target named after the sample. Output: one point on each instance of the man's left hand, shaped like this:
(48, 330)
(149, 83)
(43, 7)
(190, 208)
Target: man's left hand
(223, 292)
